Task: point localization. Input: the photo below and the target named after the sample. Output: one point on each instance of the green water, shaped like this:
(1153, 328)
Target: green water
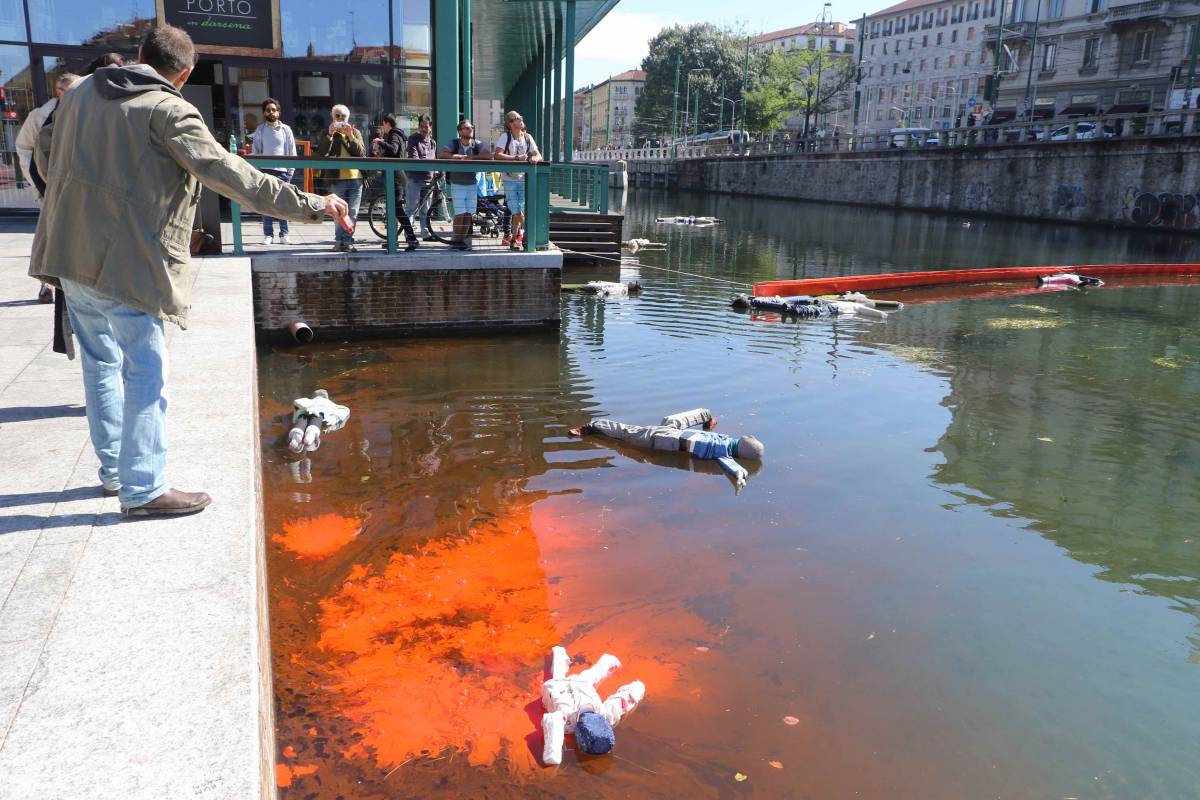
(969, 564)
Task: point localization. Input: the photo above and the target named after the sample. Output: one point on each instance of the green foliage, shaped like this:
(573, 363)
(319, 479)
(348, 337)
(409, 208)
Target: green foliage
(808, 82)
(722, 53)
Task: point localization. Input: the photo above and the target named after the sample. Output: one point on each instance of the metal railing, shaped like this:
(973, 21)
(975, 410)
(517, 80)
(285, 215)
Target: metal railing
(1171, 124)
(579, 185)
(537, 188)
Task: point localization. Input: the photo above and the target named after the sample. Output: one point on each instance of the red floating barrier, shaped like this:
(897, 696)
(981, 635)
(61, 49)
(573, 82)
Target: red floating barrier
(945, 277)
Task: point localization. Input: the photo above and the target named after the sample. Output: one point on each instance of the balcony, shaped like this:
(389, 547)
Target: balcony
(1136, 12)
(1013, 31)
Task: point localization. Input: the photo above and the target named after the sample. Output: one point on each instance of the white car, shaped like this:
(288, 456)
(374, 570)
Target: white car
(1083, 130)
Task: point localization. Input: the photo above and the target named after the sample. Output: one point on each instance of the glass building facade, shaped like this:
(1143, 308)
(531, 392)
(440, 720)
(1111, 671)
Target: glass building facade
(374, 57)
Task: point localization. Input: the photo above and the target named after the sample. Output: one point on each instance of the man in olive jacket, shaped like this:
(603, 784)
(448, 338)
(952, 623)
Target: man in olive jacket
(123, 158)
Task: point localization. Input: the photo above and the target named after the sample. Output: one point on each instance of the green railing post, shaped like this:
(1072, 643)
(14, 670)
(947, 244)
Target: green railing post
(389, 175)
(235, 212)
(533, 209)
(543, 228)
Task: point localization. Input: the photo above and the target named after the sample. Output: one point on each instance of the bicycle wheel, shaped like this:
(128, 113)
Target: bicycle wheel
(377, 216)
(440, 219)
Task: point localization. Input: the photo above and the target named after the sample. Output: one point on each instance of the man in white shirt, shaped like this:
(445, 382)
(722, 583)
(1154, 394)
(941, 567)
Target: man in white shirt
(274, 138)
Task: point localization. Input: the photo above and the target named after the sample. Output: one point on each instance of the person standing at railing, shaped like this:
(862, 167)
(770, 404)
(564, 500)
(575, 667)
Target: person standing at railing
(463, 193)
(124, 158)
(391, 144)
(422, 146)
(342, 140)
(274, 138)
(27, 140)
(515, 144)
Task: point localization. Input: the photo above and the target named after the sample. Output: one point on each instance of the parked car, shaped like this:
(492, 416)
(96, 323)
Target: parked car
(1083, 130)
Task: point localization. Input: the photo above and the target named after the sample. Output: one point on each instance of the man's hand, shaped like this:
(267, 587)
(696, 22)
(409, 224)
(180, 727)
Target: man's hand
(335, 206)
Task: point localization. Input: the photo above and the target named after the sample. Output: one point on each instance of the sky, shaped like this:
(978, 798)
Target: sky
(620, 41)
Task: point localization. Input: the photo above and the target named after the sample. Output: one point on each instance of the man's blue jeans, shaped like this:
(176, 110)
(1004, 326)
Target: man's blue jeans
(124, 356)
(351, 192)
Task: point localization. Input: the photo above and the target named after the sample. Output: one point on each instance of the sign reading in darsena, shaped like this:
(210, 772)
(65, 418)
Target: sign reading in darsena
(223, 23)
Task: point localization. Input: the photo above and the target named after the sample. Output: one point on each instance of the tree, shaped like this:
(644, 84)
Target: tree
(766, 106)
(815, 83)
(720, 53)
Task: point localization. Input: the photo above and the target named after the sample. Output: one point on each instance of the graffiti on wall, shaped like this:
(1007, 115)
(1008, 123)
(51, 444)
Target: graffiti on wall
(1068, 197)
(1161, 210)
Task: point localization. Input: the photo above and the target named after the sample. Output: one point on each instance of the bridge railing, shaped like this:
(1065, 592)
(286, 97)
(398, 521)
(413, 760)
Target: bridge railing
(579, 187)
(1115, 126)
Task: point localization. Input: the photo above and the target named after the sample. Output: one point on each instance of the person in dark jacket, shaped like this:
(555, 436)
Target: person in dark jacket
(421, 145)
(392, 144)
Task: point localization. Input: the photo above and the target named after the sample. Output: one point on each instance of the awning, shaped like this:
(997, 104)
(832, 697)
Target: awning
(1039, 112)
(1130, 108)
(1003, 115)
(1082, 110)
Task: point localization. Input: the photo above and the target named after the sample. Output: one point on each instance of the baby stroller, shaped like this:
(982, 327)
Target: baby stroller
(491, 214)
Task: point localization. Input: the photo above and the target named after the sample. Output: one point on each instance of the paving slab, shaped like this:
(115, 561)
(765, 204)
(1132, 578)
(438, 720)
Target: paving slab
(130, 650)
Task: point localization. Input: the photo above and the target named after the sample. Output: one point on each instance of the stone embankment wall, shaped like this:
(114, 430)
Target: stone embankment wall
(1146, 183)
(370, 295)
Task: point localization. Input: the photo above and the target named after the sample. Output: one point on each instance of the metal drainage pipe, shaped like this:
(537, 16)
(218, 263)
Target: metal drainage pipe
(301, 332)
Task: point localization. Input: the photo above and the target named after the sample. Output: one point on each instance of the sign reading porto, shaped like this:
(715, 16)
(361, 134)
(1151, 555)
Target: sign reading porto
(240, 24)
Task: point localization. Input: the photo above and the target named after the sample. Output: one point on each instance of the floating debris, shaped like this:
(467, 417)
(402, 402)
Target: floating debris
(1020, 324)
(1166, 362)
(1034, 308)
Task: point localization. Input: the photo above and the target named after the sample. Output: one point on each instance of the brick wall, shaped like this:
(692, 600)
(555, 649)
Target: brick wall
(357, 300)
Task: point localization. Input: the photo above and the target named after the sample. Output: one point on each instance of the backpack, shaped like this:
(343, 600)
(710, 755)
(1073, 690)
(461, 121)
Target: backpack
(524, 138)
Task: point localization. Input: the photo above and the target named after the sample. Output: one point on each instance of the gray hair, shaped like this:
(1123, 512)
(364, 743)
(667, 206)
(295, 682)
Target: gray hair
(65, 81)
(339, 107)
(168, 50)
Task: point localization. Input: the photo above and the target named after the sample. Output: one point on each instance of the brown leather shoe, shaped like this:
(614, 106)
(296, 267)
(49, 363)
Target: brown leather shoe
(172, 501)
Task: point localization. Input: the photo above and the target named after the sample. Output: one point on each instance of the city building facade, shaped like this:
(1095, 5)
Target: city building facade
(604, 113)
(924, 63)
(1070, 58)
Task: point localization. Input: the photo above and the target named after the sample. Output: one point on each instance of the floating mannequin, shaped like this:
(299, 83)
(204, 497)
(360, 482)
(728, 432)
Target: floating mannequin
(634, 245)
(1068, 279)
(311, 417)
(674, 434)
(605, 288)
(687, 220)
(574, 706)
(806, 307)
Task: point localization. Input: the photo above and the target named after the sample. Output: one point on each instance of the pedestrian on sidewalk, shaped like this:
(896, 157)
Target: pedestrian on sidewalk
(392, 144)
(27, 140)
(463, 192)
(421, 145)
(126, 132)
(274, 138)
(515, 144)
(343, 140)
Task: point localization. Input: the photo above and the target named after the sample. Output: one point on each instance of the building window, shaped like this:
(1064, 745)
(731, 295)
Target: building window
(954, 35)
(950, 62)
(936, 63)
(885, 44)
(1049, 56)
(895, 68)
(309, 32)
(107, 24)
(922, 65)
(1056, 9)
(848, 47)
(1141, 46)
(971, 33)
(925, 40)
(939, 39)
(910, 42)
(975, 11)
(1096, 6)
(966, 59)
(812, 43)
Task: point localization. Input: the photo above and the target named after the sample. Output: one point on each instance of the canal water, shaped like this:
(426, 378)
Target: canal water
(968, 567)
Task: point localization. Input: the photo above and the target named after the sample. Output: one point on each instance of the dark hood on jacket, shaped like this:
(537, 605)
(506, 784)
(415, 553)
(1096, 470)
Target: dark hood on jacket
(115, 83)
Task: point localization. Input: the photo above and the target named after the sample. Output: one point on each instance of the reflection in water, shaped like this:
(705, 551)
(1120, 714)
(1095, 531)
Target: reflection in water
(911, 577)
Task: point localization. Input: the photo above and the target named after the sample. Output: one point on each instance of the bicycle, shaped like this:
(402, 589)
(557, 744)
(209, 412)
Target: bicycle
(434, 207)
(491, 217)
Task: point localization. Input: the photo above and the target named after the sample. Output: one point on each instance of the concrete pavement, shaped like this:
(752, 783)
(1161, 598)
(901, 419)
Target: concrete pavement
(131, 664)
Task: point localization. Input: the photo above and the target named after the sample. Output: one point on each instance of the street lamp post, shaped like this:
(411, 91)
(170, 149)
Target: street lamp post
(822, 22)
(687, 108)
